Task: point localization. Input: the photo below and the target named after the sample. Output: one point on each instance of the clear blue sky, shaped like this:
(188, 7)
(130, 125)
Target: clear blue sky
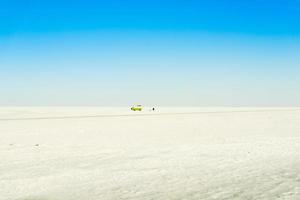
(176, 53)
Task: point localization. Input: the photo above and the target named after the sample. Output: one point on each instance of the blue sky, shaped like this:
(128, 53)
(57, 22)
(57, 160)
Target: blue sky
(165, 53)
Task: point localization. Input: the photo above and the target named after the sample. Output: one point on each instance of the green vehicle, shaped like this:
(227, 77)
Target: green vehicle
(136, 108)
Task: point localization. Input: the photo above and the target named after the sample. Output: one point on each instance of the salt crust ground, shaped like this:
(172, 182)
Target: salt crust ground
(173, 153)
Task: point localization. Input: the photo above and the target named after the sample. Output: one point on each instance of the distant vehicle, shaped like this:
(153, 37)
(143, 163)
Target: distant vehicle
(137, 108)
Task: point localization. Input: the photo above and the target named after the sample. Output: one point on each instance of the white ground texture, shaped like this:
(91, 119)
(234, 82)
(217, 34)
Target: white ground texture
(92, 153)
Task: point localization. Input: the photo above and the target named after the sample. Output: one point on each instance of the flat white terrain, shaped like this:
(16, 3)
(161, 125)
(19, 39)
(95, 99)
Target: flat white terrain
(93, 153)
